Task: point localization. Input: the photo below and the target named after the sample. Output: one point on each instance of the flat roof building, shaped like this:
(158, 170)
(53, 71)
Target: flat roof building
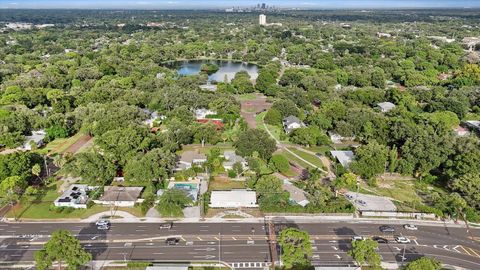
(234, 198)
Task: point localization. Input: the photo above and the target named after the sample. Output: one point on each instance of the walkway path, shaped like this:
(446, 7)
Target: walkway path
(282, 146)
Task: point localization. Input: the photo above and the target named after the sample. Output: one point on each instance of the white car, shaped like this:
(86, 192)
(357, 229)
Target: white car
(410, 227)
(103, 227)
(402, 240)
(358, 238)
(102, 222)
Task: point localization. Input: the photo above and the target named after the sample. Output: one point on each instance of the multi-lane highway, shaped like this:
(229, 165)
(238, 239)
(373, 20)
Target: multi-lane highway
(241, 244)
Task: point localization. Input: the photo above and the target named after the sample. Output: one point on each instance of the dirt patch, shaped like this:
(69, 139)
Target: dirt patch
(79, 144)
(250, 108)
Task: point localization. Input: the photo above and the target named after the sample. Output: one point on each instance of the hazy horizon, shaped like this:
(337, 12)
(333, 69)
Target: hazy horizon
(202, 4)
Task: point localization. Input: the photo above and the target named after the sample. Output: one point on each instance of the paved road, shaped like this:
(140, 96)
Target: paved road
(239, 243)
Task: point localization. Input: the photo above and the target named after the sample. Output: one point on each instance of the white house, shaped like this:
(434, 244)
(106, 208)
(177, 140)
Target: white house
(473, 124)
(291, 123)
(231, 158)
(344, 157)
(190, 158)
(202, 113)
(386, 106)
(120, 196)
(75, 196)
(234, 198)
(36, 138)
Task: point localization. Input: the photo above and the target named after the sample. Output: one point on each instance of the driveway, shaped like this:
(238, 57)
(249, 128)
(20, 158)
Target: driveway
(364, 202)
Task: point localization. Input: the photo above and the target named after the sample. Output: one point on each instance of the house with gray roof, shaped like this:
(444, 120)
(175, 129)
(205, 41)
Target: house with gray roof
(291, 123)
(188, 159)
(231, 158)
(35, 139)
(120, 196)
(386, 106)
(297, 195)
(344, 157)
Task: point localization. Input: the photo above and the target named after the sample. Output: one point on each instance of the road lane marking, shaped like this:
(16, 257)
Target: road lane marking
(158, 253)
(198, 237)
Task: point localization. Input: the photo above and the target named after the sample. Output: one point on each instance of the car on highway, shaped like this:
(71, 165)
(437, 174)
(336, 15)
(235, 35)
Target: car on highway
(402, 239)
(172, 241)
(386, 228)
(103, 227)
(165, 226)
(380, 240)
(410, 227)
(358, 238)
(102, 222)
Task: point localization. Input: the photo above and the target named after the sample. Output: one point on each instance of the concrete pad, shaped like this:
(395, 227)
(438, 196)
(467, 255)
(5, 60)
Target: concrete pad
(372, 202)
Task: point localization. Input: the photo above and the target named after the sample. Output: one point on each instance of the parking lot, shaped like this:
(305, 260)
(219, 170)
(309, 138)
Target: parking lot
(364, 202)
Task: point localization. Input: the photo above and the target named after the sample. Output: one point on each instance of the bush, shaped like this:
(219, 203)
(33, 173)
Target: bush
(232, 174)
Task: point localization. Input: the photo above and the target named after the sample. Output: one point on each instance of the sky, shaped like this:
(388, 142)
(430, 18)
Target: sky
(209, 4)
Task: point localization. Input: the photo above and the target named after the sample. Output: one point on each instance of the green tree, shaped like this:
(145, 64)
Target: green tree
(255, 140)
(347, 180)
(468, 186)
(280, 163)
(172, 203)
(370, 160)
(155, 165)
(62, 247)
(424, 263)
(12, 187)
(273, 117)
(296, 248)
(364, 253)
(91, 167)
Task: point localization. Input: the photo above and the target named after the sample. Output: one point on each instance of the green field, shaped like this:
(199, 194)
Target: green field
(58, 146)
(224, 184)
(308, 157)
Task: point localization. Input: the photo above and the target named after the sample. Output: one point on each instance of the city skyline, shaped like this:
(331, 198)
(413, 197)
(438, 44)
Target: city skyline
(201, 4)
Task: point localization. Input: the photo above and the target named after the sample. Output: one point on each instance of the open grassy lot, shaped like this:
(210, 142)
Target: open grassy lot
(298, 161)
(58, 146)
(276, 131)
(307, 156)
(246, 97)
(206, 148)
(223, 183)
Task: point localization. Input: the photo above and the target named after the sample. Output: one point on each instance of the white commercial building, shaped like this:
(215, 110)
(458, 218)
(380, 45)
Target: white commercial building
(75, 196)
(234, 198)
(262, 19)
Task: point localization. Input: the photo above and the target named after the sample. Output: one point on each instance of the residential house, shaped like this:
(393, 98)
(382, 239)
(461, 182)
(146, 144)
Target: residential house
(231, 158)
(234, 198)
(291, 123)
(297, 195)
(203, 113)
(337, 138)
(190, 158)
(120, 196)
(218, 123)
(152, 117)
(386, 106)
(75, 197)
(208, 87)
(35, 139)
(344, 157)
(473, 125)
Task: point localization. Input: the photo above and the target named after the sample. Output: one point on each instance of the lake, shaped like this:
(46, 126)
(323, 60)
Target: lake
(226, 68)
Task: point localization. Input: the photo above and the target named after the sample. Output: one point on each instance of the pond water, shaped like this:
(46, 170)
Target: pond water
(226, 68)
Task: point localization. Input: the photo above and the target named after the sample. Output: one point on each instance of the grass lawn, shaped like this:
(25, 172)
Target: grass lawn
(400, 190)
(59, 145)
(294, 159)
(246, 97)
(276, 131)
(308, 157)
(320, 149)
(220, 183)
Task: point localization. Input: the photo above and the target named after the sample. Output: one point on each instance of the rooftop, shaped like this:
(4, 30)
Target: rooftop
(296, 194)
(344, 157)
(192, 156)
(119, 193)
(233, 198)
(386, 106)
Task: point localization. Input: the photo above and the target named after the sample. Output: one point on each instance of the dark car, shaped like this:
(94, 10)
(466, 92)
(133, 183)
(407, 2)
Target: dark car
(386, 228)
(380, 240)
(172, 241)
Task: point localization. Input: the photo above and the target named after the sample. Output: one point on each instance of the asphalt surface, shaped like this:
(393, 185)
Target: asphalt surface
(241, 244)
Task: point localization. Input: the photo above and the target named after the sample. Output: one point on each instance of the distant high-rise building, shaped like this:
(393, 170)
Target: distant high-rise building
(264, 5)
(262, 19)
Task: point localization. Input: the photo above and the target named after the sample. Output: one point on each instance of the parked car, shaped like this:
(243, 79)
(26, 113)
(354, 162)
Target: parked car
(361, 202)
(102, 222)
(165, 226)
(386, 228)
(380, 240)
(103, 227)
(349, 196)
(358, 238)
(172, 241)
(402, 239)
(410, 227)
